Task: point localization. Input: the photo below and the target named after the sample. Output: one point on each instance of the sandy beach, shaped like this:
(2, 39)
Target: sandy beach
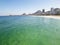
(54, 17)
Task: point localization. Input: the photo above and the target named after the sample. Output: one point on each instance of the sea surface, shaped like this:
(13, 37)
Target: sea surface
(29, 30)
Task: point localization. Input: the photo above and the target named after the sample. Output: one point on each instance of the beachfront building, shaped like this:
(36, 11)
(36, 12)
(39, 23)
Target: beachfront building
(57, 11)
(43, 12)
(53, 11)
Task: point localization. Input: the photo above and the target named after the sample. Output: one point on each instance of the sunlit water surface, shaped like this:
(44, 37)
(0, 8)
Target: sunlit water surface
(28, 30)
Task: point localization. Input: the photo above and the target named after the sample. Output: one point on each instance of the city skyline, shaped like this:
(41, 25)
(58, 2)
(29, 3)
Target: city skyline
(17, 7)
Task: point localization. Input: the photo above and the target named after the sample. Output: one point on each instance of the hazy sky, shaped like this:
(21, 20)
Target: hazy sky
(28, 6)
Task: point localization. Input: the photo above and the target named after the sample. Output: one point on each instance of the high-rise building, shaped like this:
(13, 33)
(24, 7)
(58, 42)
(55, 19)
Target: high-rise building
(43, 10)
(52, 12)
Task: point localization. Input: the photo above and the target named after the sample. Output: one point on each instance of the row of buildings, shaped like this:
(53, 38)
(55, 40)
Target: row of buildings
(53, 11)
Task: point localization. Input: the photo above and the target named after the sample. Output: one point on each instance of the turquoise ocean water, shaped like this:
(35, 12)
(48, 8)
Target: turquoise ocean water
(28, 30)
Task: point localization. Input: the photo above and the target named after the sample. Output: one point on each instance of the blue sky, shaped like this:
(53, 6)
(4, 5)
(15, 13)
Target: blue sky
(26, 6)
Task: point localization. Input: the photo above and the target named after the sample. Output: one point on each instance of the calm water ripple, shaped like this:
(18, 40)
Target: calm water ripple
(28, 30)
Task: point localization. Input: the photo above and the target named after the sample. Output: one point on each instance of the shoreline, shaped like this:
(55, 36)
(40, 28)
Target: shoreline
(50, 16)
(54, 17)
